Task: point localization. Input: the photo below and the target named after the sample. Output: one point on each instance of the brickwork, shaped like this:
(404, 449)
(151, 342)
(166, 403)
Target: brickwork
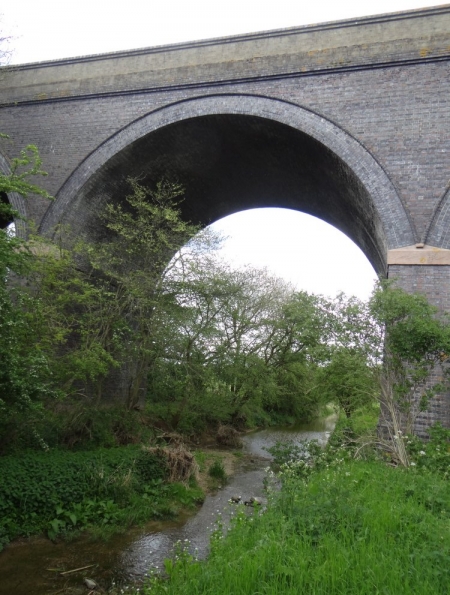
(401, 114)
(434, 283)
(384, 81)
(357, 113)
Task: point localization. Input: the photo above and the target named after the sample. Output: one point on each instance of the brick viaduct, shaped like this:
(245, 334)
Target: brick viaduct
(347, 121)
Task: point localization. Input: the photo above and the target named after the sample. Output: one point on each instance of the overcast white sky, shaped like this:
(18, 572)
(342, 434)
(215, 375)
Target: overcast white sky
(305, 250)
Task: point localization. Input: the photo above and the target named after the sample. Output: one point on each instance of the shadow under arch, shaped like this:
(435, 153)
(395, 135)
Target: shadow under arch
(16, 201)
(234, 152)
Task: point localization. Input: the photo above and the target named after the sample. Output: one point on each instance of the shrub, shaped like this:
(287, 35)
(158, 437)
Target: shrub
(217, 470)
(59, 487)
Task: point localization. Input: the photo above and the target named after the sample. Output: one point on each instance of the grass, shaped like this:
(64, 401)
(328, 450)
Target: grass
(360, 529)
(354, 528)
(217, 470)
(213, 467)
(201, 457)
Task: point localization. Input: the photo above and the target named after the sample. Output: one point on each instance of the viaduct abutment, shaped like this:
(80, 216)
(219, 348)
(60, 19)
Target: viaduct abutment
(347, 121)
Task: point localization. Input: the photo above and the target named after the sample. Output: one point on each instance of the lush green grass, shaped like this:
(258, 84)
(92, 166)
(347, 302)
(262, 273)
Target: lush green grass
(360, 528)
(217, 470)
(349, 527)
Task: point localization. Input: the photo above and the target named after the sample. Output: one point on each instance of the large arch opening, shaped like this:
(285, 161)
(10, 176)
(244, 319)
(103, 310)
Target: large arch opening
(234, 153)
(302, 250)
(230, 163)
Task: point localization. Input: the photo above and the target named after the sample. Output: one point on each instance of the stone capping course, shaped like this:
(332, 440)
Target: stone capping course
(369, 42)
(419, 254)
(288, 31)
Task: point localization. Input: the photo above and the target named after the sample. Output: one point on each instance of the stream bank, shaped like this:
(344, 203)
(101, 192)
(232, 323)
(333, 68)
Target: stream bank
(35, 566)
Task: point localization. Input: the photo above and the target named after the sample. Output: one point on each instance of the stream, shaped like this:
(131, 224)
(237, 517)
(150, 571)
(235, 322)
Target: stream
(31, 567)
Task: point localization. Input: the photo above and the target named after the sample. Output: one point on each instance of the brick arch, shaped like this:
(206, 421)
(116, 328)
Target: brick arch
(438, 233)
(393, 227)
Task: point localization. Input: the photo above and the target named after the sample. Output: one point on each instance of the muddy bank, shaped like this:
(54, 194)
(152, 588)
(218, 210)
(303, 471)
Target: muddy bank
(35, 566)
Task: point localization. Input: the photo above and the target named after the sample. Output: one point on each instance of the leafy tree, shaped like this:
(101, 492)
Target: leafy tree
(349, 380)
(25, 375)
(99, 299)
(236, 344)
(351, 354)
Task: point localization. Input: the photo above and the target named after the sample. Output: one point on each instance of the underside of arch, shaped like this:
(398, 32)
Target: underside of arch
(16, 201)
(237, 152)
(439, 232)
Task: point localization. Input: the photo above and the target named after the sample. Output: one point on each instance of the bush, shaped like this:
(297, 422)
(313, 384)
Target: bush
(433, 455)
(217, 470)
(38, 489)
(150, 466)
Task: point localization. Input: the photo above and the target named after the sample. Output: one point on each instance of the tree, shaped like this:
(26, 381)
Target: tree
(237, 344)
(100, 297)
(25, 376)
(349, 380)
(351, 354)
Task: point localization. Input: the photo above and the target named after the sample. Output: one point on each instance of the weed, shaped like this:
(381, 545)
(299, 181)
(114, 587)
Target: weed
(217, 470)
(330, 528)
(59, 492)
(201, 457)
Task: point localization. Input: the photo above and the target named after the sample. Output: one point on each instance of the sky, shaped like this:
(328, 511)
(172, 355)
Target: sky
(302, 249)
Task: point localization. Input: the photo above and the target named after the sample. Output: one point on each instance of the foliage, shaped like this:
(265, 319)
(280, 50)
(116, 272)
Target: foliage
(336, 533)
(74, 425)
(238, 346)
(416, 341)
(432, 455)
(25, 371)
(391, 350)
(98, 298)
(88, 311)
(22, 168)
(348, 380)
(58, 491)
(217, 470)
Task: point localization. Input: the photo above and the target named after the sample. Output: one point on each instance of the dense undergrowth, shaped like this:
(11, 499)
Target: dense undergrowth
(338, 525)
(57, 493)
(75, 426)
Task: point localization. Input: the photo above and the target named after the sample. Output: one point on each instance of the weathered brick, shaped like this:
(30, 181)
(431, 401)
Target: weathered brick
(347, 121)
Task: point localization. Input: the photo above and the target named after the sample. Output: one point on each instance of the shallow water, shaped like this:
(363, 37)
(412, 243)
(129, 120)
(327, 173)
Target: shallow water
(319, 429)
(32, 567)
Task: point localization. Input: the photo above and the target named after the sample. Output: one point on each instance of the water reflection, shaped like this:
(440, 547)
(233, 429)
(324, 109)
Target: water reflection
(258, 442)
(151, 550)
(32, 567)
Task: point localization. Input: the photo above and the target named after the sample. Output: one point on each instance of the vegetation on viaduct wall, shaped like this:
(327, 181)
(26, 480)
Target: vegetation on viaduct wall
(215, 345)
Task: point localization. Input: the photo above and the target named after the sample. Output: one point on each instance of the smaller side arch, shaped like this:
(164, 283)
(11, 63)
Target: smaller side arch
(438, 233)
(17, 202)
